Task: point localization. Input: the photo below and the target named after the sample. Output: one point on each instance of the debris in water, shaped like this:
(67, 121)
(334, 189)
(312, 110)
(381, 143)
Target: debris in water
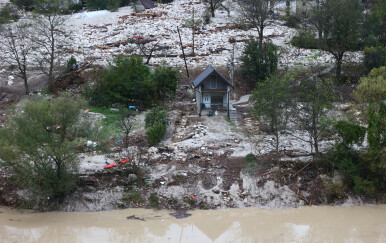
(135, 217)
(180, 214)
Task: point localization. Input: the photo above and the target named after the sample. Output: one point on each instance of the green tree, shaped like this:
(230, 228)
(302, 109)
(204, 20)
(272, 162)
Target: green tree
(126, 81)
(374, 57)
(40, 143)
(165, 80)
(374, 25)
(340, 24)
(315, 96)
(258, 64)
(271, 100)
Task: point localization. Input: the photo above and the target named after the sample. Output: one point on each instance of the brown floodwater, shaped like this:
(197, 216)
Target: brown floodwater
(306, 224)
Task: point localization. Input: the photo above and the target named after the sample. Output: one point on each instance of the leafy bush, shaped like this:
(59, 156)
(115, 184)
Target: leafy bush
(156, 122)
(350, 133)
(157, 114)
(153, 200)
(24, 4)
(250, 163)
(372, 87)
(97, 4)
(361, 170)
(128, 81)
(133, 197)
(165, 81)
(75, 7)
(305, 39)
(114, 5)
(8, 14)
(334, 190)
(70, 63)
(125, 81)
(155, 133)
(292, 21)
(374, 57)
(258, 64)
(363, 186)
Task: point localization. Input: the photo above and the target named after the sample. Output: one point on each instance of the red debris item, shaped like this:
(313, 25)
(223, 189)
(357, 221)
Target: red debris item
(119, 163)
(191, 196)
(110, 165)
(138, 37)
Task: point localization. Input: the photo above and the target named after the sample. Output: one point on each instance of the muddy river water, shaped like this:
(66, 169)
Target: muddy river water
(306, 224)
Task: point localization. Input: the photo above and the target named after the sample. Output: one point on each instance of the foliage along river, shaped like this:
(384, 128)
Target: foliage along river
(306, 224)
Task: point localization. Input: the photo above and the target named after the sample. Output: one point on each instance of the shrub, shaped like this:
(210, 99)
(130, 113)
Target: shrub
(350, 133)
(206, 16)
(157, 114)
(258, 64)
(305, 39)
(24, 4)
(334, 190)
(70, 63)
(250, 163)
(374, 57)
(153, 200)
(165, 81)
(363, 186)
(8, 14)
(155, 133)
(125, 81)
(292, 21)
(75, 7)
(113, 5)
(134, 197)
(97, 4)
(125, 3)
(128, 81)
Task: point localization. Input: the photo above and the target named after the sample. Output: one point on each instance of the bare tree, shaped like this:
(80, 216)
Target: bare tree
(49, 37)
(216, 4)
(257, 13)
(194, 24)
(17, 43)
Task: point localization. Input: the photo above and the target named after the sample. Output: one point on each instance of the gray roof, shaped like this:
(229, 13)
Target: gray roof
(147, 3)
(206, 74)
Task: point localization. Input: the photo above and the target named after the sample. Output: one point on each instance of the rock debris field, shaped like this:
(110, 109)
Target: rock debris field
(98, 36)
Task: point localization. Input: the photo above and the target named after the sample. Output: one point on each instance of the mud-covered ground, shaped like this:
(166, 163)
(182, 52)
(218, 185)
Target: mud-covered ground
(199, 165)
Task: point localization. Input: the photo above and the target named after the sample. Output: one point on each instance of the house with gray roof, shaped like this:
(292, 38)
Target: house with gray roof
(141, 5)
(212, 92)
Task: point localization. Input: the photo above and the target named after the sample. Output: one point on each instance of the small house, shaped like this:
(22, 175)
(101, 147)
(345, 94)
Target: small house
(212, 92)
(141, 5)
